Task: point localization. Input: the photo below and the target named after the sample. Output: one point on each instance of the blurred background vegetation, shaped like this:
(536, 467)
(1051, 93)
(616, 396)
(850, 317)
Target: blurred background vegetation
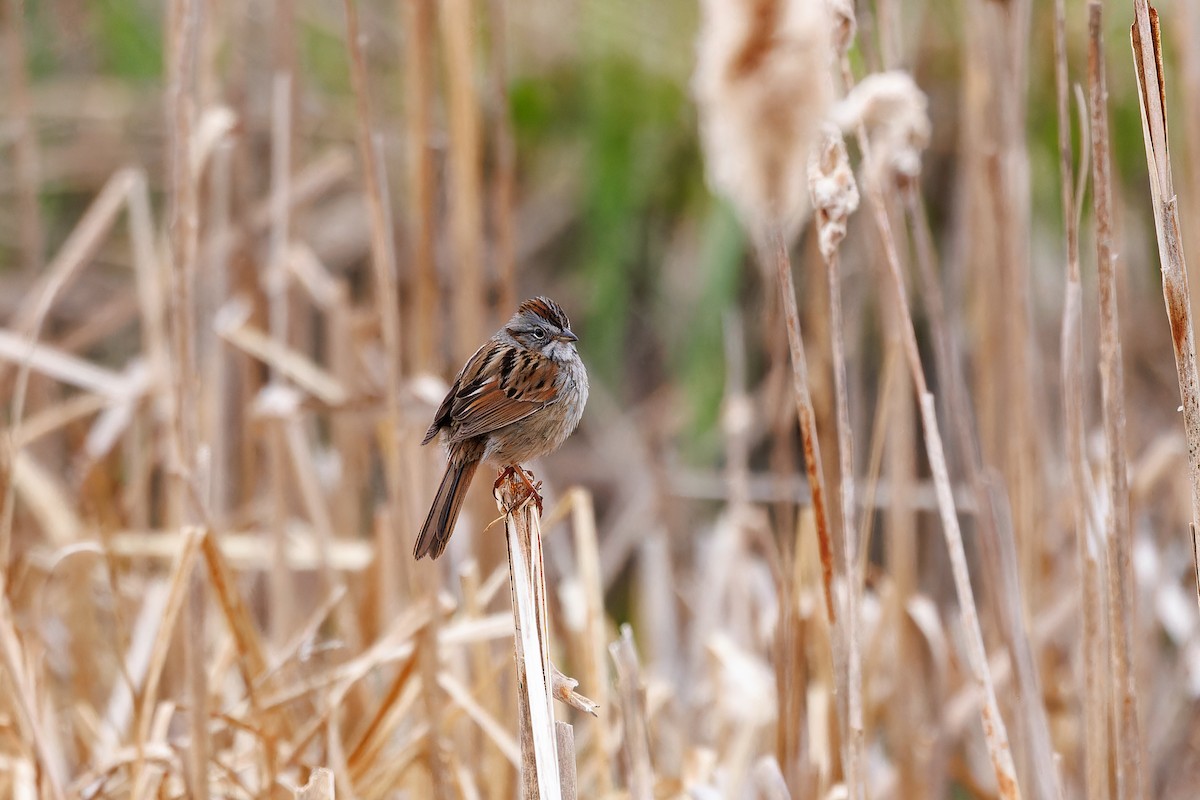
(611, 215)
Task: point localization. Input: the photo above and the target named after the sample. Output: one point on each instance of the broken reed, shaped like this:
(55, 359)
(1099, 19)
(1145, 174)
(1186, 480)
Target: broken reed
(540, 767)
(367, 640)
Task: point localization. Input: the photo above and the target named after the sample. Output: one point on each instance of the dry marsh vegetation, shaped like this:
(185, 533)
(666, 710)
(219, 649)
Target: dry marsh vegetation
(890, 480)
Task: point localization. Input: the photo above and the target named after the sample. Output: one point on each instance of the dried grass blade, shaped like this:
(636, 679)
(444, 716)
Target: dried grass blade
(1147, 53)
(62, 366)
(486, 722)
(193, 537)
(294, 365)
(25, 702)
(635, 741)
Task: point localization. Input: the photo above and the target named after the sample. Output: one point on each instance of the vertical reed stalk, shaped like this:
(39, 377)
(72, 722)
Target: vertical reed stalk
(531, 642)
(186, 21)
(1127, 728)
(417, 16)
(856, 746)
(834, 197)
(1095, 722)
(504, 155)
(275, 287)
(1147, 54)
(777, 251)
(20, 111)
(466, 216)
(995, 732)
(383, 252)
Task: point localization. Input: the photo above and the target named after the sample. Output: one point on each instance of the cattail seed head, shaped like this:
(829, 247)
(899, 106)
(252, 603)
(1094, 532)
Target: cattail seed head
(832, 188)
(762, 85)
(894, 111)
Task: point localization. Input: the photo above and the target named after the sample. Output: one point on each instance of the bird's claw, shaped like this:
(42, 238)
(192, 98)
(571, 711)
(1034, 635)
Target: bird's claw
(532, 490)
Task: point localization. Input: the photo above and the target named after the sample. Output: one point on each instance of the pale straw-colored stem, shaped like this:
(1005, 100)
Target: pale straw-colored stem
(1127, 727)
(1094, 702)
(531, 642)
(776, 250)
(995, 732)
(851, 577)
(1147, 54)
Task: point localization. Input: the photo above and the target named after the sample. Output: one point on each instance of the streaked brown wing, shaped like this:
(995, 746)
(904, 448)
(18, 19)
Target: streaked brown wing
(445, 413)
(506, 385)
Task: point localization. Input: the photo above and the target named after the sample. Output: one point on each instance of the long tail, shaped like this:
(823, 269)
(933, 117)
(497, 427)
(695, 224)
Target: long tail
(444, 511)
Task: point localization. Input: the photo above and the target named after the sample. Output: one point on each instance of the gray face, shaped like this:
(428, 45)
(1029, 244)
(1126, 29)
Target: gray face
(541, 335)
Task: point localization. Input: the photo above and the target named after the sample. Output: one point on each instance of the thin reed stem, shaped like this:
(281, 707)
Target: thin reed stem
(531, 642)
(504, 155)
(417, 18)
(856, 747)
(466, 192)
(1096, 755)
(1148, 63)
(995, 731)
(19, 109)
(1127, 737)
(777, 251)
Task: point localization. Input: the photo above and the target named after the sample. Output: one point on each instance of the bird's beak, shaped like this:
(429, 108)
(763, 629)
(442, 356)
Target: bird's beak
(567, 336)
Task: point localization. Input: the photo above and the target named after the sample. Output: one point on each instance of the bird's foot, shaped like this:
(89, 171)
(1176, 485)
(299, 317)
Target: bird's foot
(532, 491)
(505, 473)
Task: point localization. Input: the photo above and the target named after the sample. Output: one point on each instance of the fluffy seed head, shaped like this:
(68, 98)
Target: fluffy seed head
(762, 86)
(895, 113)
(832, 189)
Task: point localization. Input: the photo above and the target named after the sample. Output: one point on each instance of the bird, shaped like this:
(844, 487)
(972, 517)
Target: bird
(517, 398)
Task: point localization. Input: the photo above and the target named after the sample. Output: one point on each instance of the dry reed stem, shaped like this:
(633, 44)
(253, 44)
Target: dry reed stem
(996, 534)
(594, 638)
(76, 252)
(466, 192)
(776, 250)
(504, 156)
(148, 689)
(24, 701)
(635, 738)
(994, 729)
(383, 255)
(19, 111)
(275, 278)
(417, 19)
(386, 280)
(1127, 737)
(185, 29)
(531, 641)
(1147, 54)
(487, 723)
(1096, 757)
(285, 362)
(829, 158)
(274, 282)
(568, 780)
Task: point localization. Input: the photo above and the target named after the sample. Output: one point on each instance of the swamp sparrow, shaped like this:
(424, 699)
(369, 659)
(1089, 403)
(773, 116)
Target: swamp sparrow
(519, 397)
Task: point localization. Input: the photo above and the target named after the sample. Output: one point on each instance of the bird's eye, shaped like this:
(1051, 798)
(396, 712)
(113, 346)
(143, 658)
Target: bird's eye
(539, 333)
